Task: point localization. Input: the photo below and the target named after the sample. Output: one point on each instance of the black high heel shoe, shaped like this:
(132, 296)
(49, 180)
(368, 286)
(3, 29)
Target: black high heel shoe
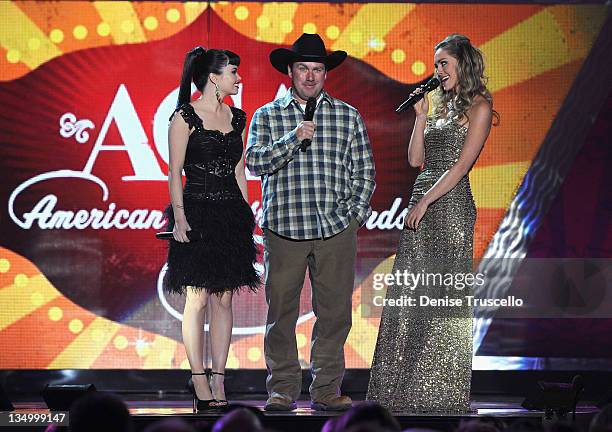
(199, 404)
(222, 402)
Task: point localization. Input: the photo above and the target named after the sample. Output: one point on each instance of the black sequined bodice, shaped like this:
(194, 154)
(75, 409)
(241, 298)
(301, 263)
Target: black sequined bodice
(211, 157)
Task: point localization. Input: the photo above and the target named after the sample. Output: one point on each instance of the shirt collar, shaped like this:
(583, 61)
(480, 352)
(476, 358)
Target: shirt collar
(289, 98)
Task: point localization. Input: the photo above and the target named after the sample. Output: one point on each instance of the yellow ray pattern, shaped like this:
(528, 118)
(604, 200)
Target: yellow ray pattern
(83, 351)
(521, 61)
(362, 338)
(367, 30)
(232, 360)
(193, 10)
(506, 179)
(18, 35)
(161, 354)
(23, 297)
(275, 21)
(123, 21)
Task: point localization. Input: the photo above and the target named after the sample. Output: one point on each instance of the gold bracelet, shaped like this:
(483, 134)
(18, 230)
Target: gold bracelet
(179, 206)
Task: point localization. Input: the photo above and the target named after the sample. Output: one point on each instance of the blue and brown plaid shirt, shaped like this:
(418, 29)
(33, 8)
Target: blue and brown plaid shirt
(312, 194)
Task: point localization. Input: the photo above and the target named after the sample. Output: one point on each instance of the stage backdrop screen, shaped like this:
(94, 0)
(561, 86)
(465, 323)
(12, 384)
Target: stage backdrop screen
(87, 89)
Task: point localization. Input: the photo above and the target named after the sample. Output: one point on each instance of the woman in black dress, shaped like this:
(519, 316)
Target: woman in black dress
(206, 141)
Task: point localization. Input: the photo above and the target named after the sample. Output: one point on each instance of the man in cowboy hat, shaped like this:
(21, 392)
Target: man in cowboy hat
(314, 201)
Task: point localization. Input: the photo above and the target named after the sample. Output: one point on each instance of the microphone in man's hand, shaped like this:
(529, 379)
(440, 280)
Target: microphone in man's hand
(311, 105)
(191, 235)
(429, 86)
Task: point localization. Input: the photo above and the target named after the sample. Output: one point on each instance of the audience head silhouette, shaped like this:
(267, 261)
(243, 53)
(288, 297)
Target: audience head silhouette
(100, 412)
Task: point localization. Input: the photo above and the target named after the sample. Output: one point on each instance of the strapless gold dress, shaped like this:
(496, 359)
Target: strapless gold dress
(423, 356)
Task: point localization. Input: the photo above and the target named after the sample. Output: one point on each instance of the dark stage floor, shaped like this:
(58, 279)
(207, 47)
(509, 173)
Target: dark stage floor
(149, 408)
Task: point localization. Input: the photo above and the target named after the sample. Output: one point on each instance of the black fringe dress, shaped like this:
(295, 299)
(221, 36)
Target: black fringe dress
(223, 260)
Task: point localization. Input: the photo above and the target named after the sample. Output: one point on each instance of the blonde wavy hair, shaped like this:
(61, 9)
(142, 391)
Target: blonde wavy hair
(471, 81)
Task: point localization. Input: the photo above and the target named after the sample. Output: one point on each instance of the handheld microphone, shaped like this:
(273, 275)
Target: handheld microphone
(191, 235)
(311, 105)
(429, 86)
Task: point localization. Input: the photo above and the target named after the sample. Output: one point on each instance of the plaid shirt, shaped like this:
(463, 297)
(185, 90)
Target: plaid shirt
(312, 194)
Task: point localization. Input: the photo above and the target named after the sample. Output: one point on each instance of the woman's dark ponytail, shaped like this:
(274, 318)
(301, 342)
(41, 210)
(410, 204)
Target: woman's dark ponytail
(199, 63)
(187, 77)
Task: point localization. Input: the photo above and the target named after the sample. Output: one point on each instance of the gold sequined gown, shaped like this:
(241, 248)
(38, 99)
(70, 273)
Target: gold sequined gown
(423, 356)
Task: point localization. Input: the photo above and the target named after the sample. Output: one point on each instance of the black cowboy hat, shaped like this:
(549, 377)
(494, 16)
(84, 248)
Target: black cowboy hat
(310, 48)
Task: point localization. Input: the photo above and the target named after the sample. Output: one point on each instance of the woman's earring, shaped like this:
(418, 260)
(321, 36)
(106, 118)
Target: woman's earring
(217, 93)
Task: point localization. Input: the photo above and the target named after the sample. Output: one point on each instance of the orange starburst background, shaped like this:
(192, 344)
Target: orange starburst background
(533, 55)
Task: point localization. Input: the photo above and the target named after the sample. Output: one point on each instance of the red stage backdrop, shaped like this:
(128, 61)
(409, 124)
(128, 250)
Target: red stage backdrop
(87, 89)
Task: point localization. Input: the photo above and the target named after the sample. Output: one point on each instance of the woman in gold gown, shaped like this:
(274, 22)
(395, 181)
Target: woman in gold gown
(423, 356)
